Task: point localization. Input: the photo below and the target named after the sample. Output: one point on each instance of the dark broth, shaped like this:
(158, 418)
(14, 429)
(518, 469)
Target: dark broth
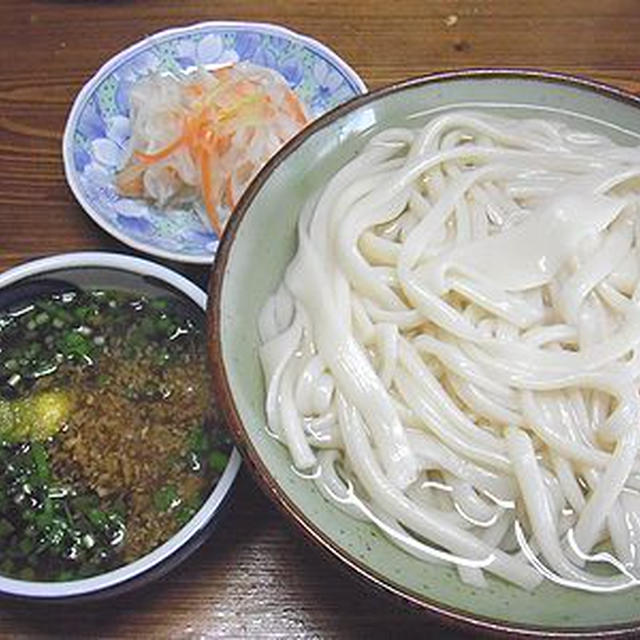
(105, 446)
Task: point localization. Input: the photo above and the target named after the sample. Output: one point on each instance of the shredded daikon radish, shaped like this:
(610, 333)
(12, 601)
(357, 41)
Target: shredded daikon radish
(200, 137)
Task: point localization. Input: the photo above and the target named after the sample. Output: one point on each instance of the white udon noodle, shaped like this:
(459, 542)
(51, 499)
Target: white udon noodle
(454, 351)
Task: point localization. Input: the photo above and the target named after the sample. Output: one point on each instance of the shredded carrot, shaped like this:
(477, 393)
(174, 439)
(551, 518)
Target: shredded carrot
(129, 181)
(223, 144)
(244, 88)
(195, 89)
(223, 73)
(150, 158)
(205, 177)
(296, 110)
(228, 191)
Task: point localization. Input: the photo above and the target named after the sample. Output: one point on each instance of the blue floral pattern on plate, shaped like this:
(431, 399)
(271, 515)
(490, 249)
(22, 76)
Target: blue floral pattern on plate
(98, 127)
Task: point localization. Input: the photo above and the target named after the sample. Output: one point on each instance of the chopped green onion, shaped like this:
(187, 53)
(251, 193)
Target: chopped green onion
(166, 498)
(218, 461)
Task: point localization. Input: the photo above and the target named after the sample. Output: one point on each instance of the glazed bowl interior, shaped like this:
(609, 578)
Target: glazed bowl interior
(125, 273)
(258, 245)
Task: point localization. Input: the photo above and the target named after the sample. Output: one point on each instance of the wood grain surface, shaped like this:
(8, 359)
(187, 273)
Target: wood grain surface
(255, 577)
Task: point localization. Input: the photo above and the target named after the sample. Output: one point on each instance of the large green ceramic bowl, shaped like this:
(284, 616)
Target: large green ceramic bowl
(258, 244)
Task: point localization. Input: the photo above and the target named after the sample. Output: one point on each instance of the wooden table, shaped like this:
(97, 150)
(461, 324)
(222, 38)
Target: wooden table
(255, 577)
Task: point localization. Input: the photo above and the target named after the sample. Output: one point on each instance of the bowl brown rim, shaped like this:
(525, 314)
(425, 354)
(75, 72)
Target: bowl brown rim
(447, 615)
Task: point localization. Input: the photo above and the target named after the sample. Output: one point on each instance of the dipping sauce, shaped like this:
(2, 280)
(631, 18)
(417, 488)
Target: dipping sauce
(106, 446)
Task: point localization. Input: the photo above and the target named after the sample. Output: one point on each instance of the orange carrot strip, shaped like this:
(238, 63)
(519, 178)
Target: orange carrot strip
(150, 158)
(195, 89)
(223, 144)
(207, 196)
(244, 88)
(294, 104)
(228, 192)
(129, 181)
(223, 73)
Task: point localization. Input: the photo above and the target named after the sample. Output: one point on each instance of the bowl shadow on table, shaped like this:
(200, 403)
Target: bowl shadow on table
(254, 577)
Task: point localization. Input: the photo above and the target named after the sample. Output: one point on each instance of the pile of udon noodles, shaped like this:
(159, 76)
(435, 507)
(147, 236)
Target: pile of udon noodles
(454, 351)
